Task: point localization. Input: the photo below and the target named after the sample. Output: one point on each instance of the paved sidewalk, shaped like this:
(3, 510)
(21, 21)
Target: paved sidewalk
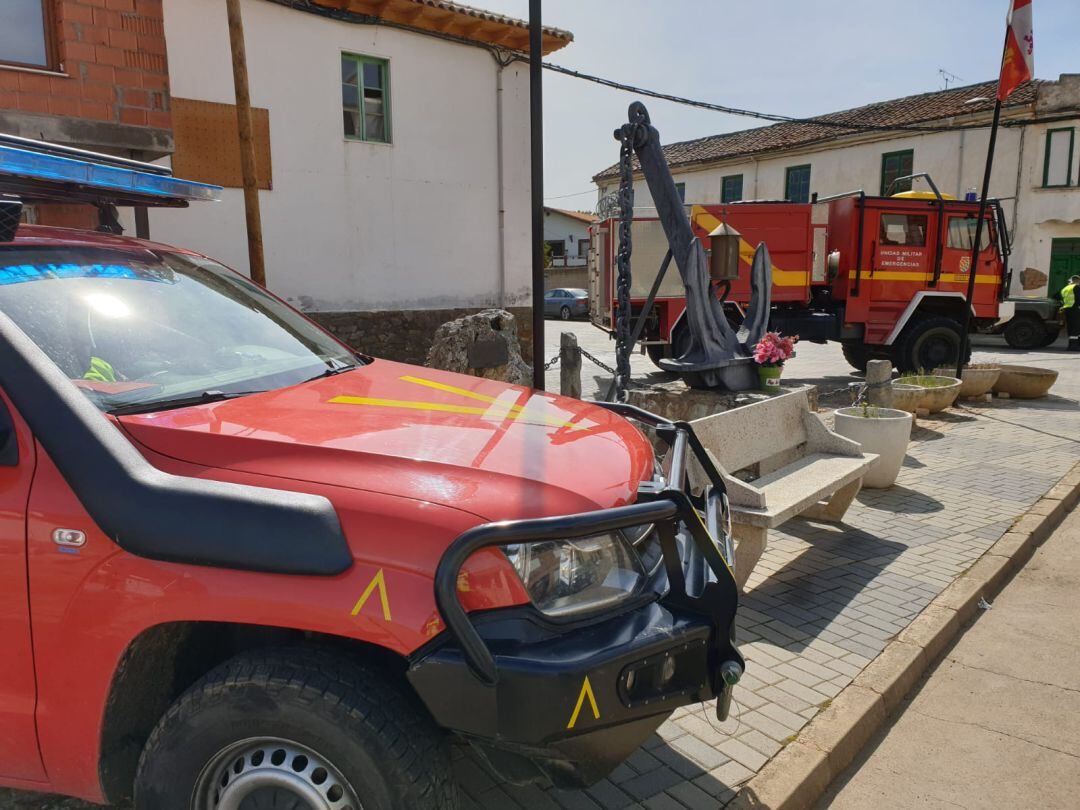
(997, 723)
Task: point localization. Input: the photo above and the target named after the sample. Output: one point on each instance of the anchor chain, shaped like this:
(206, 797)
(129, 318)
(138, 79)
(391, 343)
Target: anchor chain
(626, 135)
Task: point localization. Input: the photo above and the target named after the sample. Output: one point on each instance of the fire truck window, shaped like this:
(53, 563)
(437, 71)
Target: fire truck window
(903, 229)
(962, 233)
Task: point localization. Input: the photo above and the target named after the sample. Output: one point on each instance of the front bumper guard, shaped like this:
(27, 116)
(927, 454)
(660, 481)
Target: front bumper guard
(558, 693)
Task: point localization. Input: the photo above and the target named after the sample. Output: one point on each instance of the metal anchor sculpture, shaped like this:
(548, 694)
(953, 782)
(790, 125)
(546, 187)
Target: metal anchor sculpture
(719, 356)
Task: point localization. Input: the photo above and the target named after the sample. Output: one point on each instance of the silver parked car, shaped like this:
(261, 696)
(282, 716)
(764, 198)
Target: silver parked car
(566, 303)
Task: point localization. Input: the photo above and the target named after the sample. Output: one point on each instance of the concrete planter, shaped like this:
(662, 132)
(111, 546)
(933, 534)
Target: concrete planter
(1025, 382)
(885, 431)
(906, 397)
(938, 392)
(977, 379)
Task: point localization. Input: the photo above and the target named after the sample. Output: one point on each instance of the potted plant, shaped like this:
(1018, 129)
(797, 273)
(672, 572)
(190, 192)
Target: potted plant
(884, 431)
(939, 393)
(770, 353)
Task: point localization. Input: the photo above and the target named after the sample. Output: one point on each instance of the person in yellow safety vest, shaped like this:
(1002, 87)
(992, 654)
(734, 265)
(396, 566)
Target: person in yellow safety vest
(1070, 306)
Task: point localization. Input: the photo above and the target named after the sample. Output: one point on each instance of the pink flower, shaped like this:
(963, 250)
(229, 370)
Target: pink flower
(774, 350)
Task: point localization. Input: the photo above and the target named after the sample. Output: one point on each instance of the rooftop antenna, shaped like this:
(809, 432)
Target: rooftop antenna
(947, 77)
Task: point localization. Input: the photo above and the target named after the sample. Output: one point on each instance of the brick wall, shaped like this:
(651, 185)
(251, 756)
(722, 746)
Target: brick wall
(113, 55)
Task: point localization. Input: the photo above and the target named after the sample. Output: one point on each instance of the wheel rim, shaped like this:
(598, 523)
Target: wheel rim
(937, 348)
(565, 313)
(1025, 335)
(272, 774)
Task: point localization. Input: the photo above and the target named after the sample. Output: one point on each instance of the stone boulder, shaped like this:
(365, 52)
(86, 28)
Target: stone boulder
(484, 345)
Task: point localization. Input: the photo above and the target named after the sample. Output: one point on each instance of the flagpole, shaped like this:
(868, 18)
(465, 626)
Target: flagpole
(973, 267)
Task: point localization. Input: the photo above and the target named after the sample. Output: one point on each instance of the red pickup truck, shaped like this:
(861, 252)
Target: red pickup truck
(244, 566)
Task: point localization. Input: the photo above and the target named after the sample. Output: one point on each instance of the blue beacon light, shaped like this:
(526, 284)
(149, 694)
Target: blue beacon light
(31, 165)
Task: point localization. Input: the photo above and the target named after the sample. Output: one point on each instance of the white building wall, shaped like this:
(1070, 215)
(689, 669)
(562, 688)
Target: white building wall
(956, 161)
(363, 226)
(571, 231)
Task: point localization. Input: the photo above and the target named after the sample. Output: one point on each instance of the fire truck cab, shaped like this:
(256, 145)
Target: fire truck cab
(884, 276)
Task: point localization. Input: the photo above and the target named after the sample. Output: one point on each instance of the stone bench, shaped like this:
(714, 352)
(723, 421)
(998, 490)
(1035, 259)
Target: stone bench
(779, 460)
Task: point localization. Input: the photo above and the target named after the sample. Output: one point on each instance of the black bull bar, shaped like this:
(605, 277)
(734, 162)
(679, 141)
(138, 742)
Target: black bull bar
(700, 578)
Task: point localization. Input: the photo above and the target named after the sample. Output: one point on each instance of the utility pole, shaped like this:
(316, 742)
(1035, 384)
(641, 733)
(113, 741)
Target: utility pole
(536, 140)
(256, 260)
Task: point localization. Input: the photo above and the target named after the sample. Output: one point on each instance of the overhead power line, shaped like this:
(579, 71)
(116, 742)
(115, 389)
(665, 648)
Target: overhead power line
(763, 116)
(578, 194)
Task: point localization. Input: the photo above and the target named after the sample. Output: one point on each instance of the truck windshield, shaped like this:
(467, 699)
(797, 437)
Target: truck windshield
(147, 330)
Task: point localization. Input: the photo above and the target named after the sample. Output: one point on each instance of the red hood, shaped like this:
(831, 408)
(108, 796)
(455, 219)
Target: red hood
(498, 451)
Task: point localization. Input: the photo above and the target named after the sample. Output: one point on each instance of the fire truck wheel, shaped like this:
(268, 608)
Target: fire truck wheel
(1026, 332)
(656, 352)
(1052, 333)
(856, 353)
(295, 728)
(929, 342)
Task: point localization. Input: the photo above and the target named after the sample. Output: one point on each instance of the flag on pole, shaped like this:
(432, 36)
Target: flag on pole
(1018, 61)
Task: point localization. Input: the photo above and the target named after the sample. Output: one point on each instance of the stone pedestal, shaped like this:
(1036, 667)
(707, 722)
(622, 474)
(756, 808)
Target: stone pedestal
(678, 402)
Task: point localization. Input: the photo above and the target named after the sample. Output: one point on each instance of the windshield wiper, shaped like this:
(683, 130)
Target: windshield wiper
(178, 402)
(333, 371)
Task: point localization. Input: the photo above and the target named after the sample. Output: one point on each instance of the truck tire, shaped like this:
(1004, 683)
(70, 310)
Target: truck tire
(656, 352)
(856, 353)
(295, 728)
(929, 342)
(1026, 331)
(1052, 333)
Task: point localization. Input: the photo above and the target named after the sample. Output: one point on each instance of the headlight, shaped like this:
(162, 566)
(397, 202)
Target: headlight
(573, 576)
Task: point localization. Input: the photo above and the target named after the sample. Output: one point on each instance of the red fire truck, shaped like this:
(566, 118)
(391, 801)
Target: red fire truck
(884, 276)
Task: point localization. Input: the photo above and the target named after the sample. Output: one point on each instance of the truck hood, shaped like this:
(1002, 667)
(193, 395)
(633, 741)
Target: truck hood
(495, 450)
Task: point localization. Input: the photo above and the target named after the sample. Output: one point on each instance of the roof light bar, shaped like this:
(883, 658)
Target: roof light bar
(31, 165)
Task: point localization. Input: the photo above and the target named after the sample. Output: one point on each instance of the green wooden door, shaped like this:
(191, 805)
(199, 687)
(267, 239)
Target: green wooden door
(1064, 262)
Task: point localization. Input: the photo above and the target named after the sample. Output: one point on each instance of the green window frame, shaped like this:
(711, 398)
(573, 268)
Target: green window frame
(365, 98)
(797, 183)
(897, 164)
(680, 189)
(1046, 158)
(731, 188)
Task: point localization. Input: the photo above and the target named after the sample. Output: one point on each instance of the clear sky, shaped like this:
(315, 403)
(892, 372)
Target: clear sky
(793, 57)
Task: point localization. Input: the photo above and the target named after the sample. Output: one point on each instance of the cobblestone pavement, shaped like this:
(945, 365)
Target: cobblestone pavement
(824, 599)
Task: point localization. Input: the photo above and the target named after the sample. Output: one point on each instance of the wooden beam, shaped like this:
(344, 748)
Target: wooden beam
(256, 259)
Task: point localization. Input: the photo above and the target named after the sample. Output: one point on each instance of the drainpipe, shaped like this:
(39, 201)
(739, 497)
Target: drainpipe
(960, 168)
(500, 282)
(1019, 177)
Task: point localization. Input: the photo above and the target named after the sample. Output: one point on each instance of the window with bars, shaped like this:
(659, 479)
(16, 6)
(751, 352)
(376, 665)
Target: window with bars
(365, 98)
(731, 188)
(894, 165)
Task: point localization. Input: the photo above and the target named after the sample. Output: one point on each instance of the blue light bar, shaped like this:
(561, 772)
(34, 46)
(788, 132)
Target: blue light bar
(30, 165)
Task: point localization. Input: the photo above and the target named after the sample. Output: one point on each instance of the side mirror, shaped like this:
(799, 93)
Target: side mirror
(9, 444)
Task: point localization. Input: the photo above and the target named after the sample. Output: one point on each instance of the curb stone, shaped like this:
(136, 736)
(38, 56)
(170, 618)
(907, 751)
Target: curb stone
(803, 770)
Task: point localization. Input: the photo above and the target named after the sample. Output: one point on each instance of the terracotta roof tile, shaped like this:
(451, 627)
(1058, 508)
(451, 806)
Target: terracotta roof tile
(908, 110)
(579, 215)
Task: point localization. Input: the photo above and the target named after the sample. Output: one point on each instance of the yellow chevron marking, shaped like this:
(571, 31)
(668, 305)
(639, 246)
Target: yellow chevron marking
(586, 691)
(781, 278)
(461, 392)
(377, 583)
(518, 415)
